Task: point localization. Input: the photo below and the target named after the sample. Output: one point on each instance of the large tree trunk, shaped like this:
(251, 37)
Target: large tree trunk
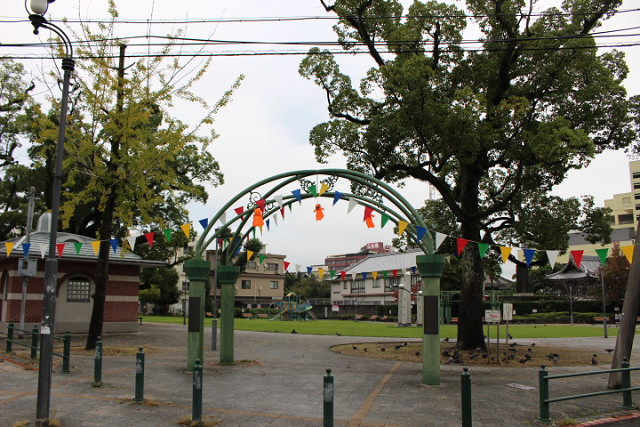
(630, 310)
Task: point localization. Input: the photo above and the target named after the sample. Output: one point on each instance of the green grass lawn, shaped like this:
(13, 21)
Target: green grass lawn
(383, 329)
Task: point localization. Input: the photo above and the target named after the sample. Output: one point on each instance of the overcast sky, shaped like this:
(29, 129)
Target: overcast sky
(264, 130)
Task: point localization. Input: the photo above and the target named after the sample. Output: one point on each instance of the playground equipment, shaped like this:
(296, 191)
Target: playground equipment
(292, 309)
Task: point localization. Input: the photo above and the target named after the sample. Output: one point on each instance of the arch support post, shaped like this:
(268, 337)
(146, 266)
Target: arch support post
(227, 276)
(197, 271)
(430, 268)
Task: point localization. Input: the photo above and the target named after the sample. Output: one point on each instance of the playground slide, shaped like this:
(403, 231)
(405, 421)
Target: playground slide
(280, 313)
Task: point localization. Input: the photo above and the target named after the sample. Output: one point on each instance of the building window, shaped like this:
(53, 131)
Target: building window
(636, 185)
(246, 284)
(78, 290)
(376, 283)
(251, 265)
(357, 287)
(636, 196)
(626, 200)
(636, 175)
(271, 266)
(274, 284)
(346, 285)
(185, 286)
(391, 283)
(625, 219)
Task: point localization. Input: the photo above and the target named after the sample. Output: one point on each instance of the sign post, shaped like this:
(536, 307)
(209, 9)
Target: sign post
(493, 316)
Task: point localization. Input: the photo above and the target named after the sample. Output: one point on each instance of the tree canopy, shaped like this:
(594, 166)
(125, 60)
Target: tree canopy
(493, 130)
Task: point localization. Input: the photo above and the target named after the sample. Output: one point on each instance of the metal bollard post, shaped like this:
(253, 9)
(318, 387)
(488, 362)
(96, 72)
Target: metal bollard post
(9, 337)
(327, 394)
(34, 342)
(97, 365)
(196, 410)
(626, 384)
(66, 353)
(544, 395)
(139, 376)
(465, 390)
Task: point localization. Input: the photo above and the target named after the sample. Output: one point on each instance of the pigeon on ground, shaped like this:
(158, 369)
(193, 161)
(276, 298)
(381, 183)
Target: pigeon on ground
(338, 334)
(594, 359)
(354, 347)
(446, 339)
(294, 332)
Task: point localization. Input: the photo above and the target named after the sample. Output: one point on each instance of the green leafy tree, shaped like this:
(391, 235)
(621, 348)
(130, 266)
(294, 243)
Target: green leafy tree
(308, 287)
(491, 129)
(253, 245)
(616, 275)
(129, 163)
(159, 285)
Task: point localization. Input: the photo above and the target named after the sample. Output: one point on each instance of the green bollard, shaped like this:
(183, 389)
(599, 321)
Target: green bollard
(9, 337)
(196, 410)
(34, 342)
(627, 403)
(139, 376)
(465, 390)
(327, 397)
(66, 353)
(97, 365)
(543, 383)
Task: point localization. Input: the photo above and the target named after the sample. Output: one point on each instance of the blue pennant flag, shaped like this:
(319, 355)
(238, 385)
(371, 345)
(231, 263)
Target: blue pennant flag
(297, 194)
(237, 251)
(528, 255)
(309, 269)
(267, 222)
(25, 249)
(420, 232)
(337, 196)
(204, 222)
(413, 269)
(364, 275)
(114, 244)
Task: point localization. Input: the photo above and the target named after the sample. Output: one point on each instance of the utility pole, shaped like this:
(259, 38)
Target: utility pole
(25, 276)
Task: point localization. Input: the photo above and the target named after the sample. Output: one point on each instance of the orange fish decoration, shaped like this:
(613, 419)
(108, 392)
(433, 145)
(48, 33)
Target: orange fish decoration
(258, 221)
(319, 214)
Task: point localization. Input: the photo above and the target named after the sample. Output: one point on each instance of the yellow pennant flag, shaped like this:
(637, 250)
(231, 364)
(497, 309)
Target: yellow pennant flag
(9, 247)
(401, 227)
(186, 228)
(505, 251)
(320, 272)
(324, 187)
(628, 252)
(249, 254)
(96, 246)
(375, 275)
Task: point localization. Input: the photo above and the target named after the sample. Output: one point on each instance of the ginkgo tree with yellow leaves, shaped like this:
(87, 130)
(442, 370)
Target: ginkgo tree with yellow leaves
(128, 161)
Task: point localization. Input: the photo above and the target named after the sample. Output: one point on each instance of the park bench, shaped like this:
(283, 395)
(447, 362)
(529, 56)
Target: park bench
(247, 315)
(263, 315)
(454, 320)
(385, 318)
(600, 319)
(358, 317)
(374, 317)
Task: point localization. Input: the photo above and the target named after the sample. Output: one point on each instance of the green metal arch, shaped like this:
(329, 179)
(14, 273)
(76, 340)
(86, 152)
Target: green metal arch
(398, 209)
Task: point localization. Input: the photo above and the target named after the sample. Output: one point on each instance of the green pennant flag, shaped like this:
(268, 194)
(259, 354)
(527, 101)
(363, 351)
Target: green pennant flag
(602, 254)
(262, 257)
(332, 273)
(312, 190)
(384, 219)
(483, 248)
(78, 247)
(384, 274)
(254, 232)
(167, 233)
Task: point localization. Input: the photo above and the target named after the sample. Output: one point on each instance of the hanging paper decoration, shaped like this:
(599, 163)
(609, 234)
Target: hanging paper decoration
(132, 241)
(368, 212)
(25, 249)
(577, 257)
(258, 221)
(628, 252)
(374, 274)
(239, 210)
(167, 234)
(237, 251)
(267, 223)
(282, 212)
(448, 258)
(483, 248)
(413, 269)
(60, 248)
(395, 273)
(249, 254)
(364, 275)
(114, 244)
(343, 275)
(43, 249)
(78, 247)
(149, 237)
(402, 225)
(8, 247)
(320, 273)
(439, 239)
(505, 251)
(337, 196)
(223, 218)
(262, 204)
(552, 256)
(323, 188)
(297, 194)
(528, 255)
(261, 257)
(275, 220)
(309, 270)
(286, 265)
(332, 273)
(384, 218)
(461, 243)
(602, 254)
(186, 229)
(279, 198)
(204, 222)
(420, 232)
(352, 204)
(318, 210)
(298, 267)
(313, 191)
(96, 246)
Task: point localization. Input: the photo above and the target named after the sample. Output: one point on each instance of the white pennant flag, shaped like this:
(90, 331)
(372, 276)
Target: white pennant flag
(132, 241)
(223, 218)
(440, 237)
(279, 199)
(352, 204)
(298, 268)
(448, 257)
(43, 249)
(552, 255)
(275, 219)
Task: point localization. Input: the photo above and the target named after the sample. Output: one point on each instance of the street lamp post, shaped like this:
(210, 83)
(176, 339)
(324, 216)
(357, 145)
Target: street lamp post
(36, 10)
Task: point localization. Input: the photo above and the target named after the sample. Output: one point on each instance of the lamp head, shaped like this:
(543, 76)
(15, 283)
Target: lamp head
(38, 7)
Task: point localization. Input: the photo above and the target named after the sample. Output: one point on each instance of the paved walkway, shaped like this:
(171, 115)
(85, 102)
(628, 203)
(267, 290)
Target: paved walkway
(278, 382)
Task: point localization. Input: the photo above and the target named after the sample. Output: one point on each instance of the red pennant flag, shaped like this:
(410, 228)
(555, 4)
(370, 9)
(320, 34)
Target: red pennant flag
(368, 213)
(261, 204)
(461, 244)
(577, 257)
(239, 210)
(60, 248)
(343, 274)
(150, 237)
(286, 265)
(395, 273)
(282, 211)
